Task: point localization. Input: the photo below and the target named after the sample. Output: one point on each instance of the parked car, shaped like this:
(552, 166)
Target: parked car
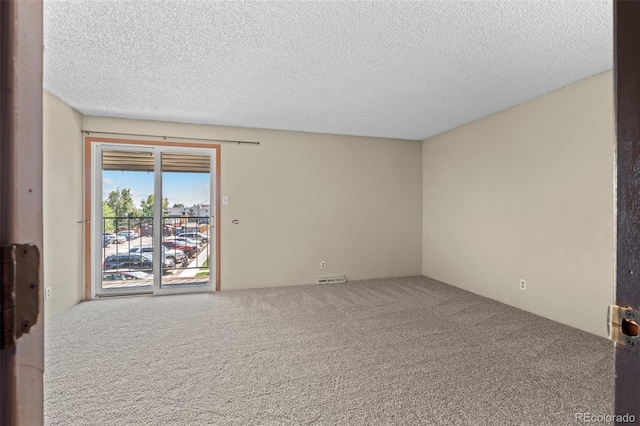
(129, 235)
(126, 275)
(176, 256)
(120, 239)
(136, 261)
(194, 235)
(187, 249)
(106, 241)
(188, 241)
(111, 236)
(128, 261)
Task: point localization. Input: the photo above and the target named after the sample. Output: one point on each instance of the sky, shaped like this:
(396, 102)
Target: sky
(185, 188)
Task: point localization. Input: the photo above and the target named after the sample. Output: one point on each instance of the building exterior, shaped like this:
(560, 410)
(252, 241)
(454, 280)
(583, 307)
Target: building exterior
(201, 210)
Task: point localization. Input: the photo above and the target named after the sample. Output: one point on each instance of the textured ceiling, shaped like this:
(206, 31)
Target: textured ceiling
(390, 69)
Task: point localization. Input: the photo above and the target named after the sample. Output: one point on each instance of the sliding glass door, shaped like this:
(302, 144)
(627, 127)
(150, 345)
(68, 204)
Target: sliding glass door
(153, 219)
(187, 225)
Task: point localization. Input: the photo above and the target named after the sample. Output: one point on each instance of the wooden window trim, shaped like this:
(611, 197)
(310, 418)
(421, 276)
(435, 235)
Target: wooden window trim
(88, 143)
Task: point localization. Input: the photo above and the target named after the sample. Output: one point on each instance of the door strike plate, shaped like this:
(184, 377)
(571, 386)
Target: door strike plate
(19, 291)
(622, 325)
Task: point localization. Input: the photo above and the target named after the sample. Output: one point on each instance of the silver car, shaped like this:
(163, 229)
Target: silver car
(171, 257)
(198, 236)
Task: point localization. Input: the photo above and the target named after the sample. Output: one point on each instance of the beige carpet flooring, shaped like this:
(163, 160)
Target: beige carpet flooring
(405, 351)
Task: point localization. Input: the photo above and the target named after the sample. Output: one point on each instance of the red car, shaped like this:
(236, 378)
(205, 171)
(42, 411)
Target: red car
(190, 250)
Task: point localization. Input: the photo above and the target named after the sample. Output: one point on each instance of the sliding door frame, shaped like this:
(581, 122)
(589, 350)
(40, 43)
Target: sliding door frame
(89, 143)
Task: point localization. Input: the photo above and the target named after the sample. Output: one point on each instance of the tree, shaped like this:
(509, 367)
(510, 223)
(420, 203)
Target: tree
(121, 203)
(178, 205)
(146, 206)
(107, 217)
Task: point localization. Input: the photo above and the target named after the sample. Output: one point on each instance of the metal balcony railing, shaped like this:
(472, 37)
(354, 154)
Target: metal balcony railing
(128, 244)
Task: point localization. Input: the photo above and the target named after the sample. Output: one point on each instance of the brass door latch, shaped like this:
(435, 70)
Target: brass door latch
(622, 324)
(19, 291)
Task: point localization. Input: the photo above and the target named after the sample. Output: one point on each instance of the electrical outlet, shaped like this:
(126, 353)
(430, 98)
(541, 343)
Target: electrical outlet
(323, 264)
(523, 284)
(47, 293)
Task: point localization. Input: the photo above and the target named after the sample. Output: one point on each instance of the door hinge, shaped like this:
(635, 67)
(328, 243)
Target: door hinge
(19, 291)
(622, 324)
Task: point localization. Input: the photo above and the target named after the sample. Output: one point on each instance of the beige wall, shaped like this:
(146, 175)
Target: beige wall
(528, 193)
(353, 202)
(62, 204)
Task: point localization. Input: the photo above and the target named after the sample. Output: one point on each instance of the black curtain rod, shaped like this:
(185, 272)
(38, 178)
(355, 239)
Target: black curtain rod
(164, 138)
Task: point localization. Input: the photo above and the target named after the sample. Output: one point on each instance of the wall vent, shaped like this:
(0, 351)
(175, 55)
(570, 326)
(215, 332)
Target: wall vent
(331, 280)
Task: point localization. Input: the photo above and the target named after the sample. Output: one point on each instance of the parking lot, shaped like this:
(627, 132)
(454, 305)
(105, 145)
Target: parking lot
(193, 266)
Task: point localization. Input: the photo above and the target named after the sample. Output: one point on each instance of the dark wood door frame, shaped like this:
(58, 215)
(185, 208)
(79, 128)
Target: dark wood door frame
(627, 104)
(21, 366)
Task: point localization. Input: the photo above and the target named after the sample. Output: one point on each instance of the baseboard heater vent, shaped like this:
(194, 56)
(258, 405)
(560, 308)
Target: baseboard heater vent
(331, 280)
